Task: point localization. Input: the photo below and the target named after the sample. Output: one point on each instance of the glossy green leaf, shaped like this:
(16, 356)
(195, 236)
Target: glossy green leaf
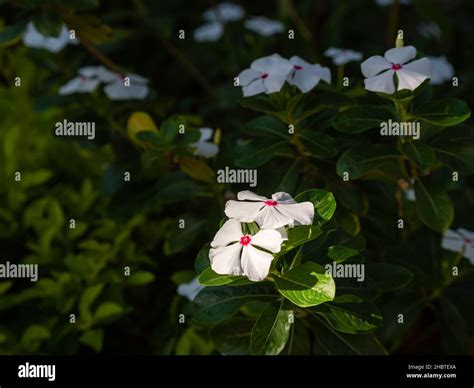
(434, 207)
(420, 154)
(361, 118)
(445, 113)
(323, 201)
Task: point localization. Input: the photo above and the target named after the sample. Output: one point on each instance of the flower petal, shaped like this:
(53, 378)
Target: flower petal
(243, 211)
(421, 66)
(226, 260)
(409, 79)
(118, 91)
(209, 32)
(400, 55)
(230, 232)
(264, 26)
(466, 234)
(381, 83)
(247, 195)
(441, 70)
(270, 240)
(224, 12)
(191, 289)
(469, 253)
(300, 213)
(79, 85)
(253, 88)
(255, 263)
(247, 76)
(452, 241)
(374, 65)
(206, 133)
(283, 197)
(270, 218)
(205, 149)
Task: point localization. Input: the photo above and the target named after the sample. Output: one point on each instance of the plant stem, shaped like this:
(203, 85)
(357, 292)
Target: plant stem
(340, 76)
(392, 24)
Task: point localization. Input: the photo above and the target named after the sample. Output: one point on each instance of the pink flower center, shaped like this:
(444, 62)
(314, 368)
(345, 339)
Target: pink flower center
(245, 240)
(264, 75)
(396, 66)
(271, 203)
(298, 67)
(467, 241)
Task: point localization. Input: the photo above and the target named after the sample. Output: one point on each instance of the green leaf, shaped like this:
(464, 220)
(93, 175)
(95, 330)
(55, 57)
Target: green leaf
(256, 153)
(458, 157)
(11, 34)
(209, 278)
(33, 335)
(388, 277)
(358, 119)
(88, 297)
(361, 160)
(339, 254)
(267, 126)
(350, 318)
(140, 278)
(420, 154)
(323, 201)
(108, 310)
(216, 304)
(434, 207)
(319, 145)
(272, 329)
(306, 285)
(47, 23)
(93, 338)
(298, 236)
(330, 341)
(445, 113)
(202, 259)
(233, 336)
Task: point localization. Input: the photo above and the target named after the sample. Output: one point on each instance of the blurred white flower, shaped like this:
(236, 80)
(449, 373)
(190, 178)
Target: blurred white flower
(191, 289)
(429, 30)
(127, 87)
(266, 75)
(224, 12)
(342, 56)
(441, 70)
(273, 213)
(458, 241)
(204, 147)
(234, 253)
(87, 81)
(33, 38)
(384, 3)
(264, 26)
(380, 71)
(209, 32)
(306, 76)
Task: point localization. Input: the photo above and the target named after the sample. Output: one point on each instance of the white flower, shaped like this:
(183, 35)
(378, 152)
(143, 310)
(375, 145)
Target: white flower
(458, 240)
(380, 71)
(342, 56)
(127, 87)
(224, 12)
(273, 213)
(441, 70)
(89, 78)
(429, 30)
(306, 76)
(33, 38)
(203, 147)
(264, 26)
(209, 32)
(266, 75)
(384, 3)
(191, 289)
(234, 253)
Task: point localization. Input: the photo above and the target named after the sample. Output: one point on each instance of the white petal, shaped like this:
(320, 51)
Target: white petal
(226, 260)
(253, 88)
(381, 83)
(277, 69)
(105, 75)
(452, 241)
(332, 51)
(243, 211)
(205, 149)
(247, 76)
(441, 70)
(270, 240)
(224, 12)
(303, 79)
(230, 232)
(400, 55)
(255, 263)
(466, 234)
(408, 79)
(421, 66)
(270, 218)
(374, 65)
(32, 37)
(410, 195)
(118, 91)
(469, 253)
(209, 32)
(191, 289)
(264, 26)
(346, 56)
(206, 133)
(300, 213)
(247, 195)
(136, 78)
(79, 85)
(283, 197)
